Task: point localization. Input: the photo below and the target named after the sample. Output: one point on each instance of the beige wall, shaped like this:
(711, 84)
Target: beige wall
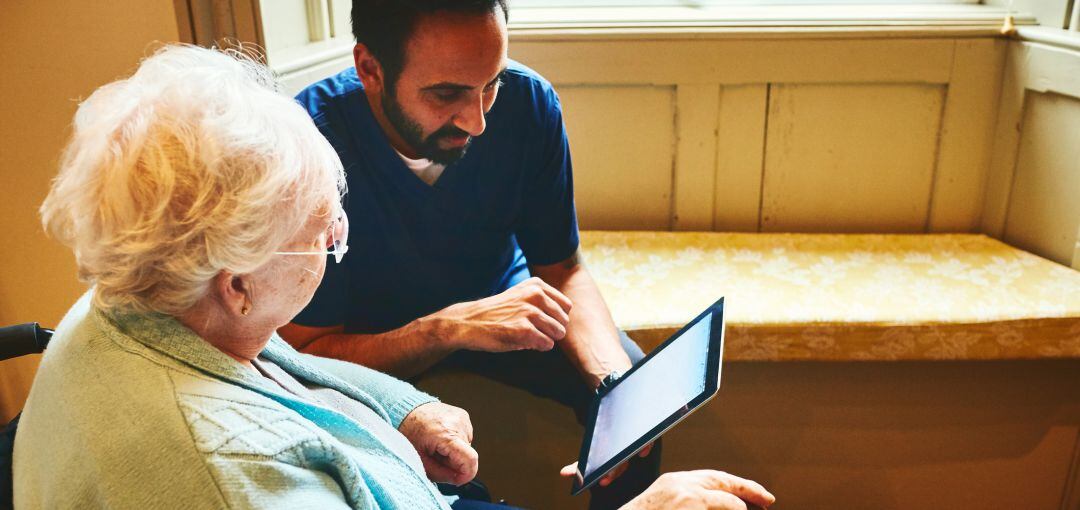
(53, 53)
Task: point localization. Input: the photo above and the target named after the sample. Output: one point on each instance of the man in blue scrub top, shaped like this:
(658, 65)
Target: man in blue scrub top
(460, 188)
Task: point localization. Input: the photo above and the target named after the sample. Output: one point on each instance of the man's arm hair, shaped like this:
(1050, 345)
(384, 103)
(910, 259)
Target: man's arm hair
(592, 341)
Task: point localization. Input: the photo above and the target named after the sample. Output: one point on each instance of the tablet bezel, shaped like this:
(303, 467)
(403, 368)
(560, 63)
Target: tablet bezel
(712, 386)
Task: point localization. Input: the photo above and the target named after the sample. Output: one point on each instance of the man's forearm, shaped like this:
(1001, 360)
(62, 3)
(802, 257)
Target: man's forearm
(530, 315)
(403, 352)
(592, 340)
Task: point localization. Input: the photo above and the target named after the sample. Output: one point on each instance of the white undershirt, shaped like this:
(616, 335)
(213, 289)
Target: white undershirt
(426, 169)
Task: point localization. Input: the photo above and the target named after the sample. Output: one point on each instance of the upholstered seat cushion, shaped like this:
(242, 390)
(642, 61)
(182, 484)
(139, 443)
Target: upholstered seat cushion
(842, 297)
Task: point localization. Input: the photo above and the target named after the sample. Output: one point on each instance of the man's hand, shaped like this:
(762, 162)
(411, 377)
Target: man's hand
(442, 435)
(570, 471)
(701, 490)
(529, 315)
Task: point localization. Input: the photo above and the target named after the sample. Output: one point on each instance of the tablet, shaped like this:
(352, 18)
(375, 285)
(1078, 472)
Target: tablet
(674, 380)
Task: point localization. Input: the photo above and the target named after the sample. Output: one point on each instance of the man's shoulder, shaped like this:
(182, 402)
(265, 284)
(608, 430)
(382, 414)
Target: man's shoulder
(526, 75)
(330, 92)
(528, 85)
(526, 102)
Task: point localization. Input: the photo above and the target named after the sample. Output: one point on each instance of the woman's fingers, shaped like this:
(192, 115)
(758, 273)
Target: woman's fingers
(453, 461)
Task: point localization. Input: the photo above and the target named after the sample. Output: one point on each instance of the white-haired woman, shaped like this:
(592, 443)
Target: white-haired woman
(202, 206)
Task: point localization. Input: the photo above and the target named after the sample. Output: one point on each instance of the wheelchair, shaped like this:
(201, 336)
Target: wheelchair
(31, 338)
(16, 341)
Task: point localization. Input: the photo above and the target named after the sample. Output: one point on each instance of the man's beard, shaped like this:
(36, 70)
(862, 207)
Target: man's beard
(413, 134)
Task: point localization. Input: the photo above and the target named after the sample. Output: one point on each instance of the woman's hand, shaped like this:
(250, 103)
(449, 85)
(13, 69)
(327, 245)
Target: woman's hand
(442, 435)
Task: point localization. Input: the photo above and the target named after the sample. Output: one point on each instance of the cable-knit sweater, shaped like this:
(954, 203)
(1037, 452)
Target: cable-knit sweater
(137, 411)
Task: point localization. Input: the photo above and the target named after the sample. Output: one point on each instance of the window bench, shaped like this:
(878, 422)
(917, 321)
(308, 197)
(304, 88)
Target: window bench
(972, 404)
(837, 297)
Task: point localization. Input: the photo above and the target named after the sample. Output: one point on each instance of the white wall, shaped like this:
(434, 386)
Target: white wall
(1049, 13)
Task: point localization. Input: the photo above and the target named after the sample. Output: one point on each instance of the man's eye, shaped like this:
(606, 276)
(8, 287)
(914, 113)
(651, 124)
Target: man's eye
(447, 96)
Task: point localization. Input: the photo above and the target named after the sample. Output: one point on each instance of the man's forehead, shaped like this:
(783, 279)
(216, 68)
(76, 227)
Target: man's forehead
(456, 48)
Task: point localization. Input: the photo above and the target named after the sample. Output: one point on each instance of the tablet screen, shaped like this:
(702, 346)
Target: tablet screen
(658, 389)
(662, 389)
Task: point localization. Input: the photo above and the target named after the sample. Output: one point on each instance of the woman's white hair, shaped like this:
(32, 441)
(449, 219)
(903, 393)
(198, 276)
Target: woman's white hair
(194, 165)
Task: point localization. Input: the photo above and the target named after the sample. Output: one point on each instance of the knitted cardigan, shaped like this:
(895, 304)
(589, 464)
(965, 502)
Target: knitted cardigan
(137, 411)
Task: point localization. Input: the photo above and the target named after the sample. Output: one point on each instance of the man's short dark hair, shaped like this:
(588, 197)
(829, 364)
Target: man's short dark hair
(384, 26)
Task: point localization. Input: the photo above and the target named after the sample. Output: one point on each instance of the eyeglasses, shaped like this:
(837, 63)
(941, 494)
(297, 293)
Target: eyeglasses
(337, 240)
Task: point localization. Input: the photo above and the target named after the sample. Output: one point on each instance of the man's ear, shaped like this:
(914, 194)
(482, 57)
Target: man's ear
(234, 292)
(368, 69)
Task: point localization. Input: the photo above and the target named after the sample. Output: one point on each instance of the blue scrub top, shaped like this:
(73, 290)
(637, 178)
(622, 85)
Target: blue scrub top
(415, 249)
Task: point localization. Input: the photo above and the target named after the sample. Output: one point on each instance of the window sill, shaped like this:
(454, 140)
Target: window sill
(668, 23)
(535, 23)
(1057, 37)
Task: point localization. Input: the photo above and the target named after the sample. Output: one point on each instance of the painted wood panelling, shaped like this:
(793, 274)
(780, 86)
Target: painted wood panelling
(1076, 254)
(623, 144)
(850, 158)
(966, 135)
(740, 150)
(731, 62)
(695, 160)
(1044, 208)
(876, 135)
(1029, 67)
(340, 14)
(285, 26)
(1037, 111)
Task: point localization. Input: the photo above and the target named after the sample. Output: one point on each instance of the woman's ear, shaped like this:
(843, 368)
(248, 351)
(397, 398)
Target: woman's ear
(234, 291)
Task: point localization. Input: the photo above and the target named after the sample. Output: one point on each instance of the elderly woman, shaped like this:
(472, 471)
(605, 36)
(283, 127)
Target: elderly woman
(202, 206)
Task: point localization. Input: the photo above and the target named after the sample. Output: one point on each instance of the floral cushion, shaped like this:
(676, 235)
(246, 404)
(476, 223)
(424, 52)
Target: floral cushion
(840, 296)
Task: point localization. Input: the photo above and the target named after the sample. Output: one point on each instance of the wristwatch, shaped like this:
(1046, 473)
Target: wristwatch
(609, 380)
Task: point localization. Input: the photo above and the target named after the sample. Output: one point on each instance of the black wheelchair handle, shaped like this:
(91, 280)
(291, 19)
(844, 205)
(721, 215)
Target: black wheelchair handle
(22, 339)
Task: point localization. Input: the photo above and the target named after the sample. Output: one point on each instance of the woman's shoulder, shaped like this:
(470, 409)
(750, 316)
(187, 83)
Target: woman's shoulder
(101, 404)
(98, 379)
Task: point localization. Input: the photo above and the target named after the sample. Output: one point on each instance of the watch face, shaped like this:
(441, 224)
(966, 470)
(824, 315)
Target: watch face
(609, 380)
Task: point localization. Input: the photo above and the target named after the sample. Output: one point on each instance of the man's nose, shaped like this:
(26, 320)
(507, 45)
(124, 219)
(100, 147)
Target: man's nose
(471, 118)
